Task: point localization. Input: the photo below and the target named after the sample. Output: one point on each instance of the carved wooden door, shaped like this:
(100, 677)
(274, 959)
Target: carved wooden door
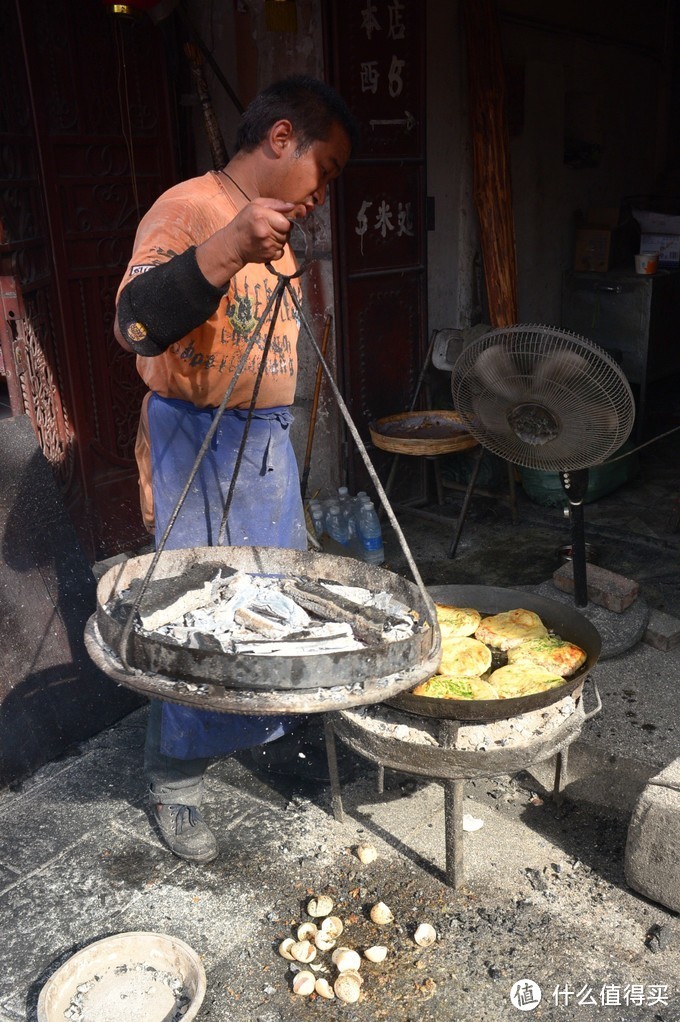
(86, 142)
(376, 57)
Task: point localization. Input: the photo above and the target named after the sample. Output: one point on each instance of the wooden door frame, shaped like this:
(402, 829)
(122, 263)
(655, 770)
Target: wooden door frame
(364, 161)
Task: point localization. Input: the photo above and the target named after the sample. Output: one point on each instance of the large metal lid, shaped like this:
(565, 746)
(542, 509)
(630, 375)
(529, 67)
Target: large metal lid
(211, 679)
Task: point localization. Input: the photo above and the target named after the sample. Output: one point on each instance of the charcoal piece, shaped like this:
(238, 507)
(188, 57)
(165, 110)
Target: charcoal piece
(260, 623)
(207, 642)
(168, 599)
(368, 623)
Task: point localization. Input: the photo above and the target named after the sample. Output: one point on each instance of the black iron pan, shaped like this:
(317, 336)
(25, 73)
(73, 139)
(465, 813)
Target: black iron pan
(560, 618)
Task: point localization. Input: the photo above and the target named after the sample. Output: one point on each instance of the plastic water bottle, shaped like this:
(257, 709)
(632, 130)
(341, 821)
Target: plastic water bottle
(317, 517)
(336, 525)
(347, 512)
(370, 534)
(360, 500)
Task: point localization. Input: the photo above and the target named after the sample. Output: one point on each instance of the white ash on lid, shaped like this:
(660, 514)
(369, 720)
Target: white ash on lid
(267, 615)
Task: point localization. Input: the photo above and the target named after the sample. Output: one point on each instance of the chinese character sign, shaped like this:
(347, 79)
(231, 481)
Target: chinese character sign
(382, 79)
(383, 217)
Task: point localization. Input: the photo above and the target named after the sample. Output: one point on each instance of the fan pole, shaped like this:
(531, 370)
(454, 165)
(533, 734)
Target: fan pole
(575, 485)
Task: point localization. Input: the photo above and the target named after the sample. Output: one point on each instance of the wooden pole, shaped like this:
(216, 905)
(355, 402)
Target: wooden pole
(217, 147)
(491, 157)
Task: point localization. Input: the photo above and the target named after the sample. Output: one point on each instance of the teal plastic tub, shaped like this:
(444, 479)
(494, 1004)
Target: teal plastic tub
(546, 487)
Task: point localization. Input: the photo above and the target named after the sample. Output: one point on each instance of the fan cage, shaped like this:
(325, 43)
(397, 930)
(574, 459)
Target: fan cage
(543, 398)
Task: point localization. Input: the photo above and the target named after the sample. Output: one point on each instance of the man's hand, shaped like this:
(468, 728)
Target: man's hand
(257, 234)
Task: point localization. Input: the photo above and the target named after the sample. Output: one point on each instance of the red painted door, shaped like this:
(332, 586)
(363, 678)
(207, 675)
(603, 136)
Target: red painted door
(376, 61)
(87, 137)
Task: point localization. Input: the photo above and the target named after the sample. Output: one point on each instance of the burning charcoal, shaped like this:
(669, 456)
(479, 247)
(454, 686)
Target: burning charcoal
(398, 617)
(322, 639)
(260, 623)
(266, 603)
(205, 641)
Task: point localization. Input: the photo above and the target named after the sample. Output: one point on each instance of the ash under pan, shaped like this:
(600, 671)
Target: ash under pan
(264, 684)
(557, 617)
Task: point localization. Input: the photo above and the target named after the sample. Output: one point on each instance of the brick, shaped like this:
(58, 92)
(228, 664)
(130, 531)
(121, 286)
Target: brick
(652, 864)
(663, 631)
(606, 588)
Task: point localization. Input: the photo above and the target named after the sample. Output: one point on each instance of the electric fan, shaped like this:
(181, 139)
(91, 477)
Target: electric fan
(546, 399)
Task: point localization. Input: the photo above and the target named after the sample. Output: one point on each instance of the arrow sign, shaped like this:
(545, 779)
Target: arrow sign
(409, 121)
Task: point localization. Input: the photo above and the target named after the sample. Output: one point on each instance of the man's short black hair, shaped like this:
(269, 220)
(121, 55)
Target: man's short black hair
(309, 104)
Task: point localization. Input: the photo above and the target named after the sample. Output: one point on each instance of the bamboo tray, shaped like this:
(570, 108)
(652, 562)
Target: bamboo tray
(422, 433)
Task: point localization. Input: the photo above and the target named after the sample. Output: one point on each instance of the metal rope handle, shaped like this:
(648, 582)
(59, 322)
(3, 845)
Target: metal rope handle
(127, 630)
(384, 500)
(246, 429)
(283, 284)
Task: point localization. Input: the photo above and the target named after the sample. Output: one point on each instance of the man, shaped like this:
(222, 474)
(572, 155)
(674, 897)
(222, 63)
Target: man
(194, 290)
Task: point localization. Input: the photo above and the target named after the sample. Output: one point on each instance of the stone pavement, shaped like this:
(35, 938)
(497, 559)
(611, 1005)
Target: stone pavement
(545, 895)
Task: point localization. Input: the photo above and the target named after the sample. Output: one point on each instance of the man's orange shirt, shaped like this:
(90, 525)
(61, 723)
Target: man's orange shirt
(199, 367)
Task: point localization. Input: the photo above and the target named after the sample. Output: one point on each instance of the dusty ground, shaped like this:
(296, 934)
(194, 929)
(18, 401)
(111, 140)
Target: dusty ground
(544, 900)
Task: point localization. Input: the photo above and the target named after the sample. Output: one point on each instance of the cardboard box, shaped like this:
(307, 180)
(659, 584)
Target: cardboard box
(657, 223)
(601, 241)
(592, 249)
(667, 245)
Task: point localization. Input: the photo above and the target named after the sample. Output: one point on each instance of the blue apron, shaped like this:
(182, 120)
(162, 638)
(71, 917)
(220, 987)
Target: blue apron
(266, 510)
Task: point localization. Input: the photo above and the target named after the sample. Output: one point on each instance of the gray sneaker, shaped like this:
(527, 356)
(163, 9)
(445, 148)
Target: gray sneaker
(185, 832)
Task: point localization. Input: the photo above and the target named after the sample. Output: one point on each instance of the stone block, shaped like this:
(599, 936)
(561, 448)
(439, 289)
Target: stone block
(606, 588)
(663, 631)
(652, 863)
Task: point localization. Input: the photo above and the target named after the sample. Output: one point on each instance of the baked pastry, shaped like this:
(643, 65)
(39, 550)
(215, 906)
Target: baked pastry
(444, 686)
(510, 628)
(464, 658)
(550, 651)
(455, 622)
(523, 679)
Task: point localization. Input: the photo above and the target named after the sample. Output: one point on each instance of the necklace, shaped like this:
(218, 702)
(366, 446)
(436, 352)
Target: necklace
(236, 185)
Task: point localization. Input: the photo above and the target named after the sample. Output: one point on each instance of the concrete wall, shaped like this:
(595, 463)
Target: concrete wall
(615, 90)
(453, 250)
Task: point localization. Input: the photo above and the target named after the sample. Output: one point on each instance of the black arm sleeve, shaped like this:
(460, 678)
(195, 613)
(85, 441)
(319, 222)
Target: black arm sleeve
(165, 303)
